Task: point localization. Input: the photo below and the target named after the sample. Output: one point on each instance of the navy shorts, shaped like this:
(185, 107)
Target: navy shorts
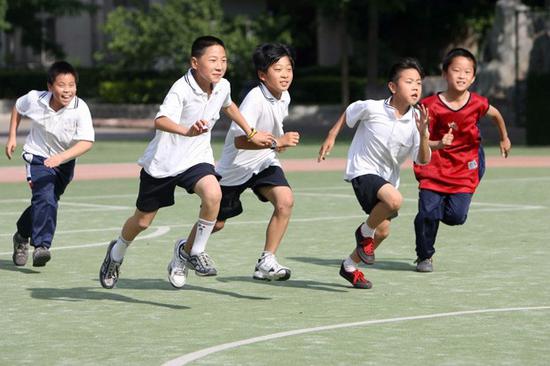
(366, 189)
(231, 205)
(155, 193)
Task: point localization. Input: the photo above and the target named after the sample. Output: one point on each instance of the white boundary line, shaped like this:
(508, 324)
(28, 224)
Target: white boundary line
(193, 356)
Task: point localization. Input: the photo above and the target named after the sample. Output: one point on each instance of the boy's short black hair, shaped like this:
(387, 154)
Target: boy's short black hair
(404, 64)
(457, 52)
(61, 67)
(202, 43)
(267, 54)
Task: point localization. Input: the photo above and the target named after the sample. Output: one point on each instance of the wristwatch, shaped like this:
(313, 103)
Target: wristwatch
(273, 145)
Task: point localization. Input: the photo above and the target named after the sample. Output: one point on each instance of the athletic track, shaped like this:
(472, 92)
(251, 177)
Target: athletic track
(131, 170)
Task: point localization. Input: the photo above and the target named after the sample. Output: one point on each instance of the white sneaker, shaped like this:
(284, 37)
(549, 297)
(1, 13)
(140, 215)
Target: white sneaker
(177, 268)
(268, 269)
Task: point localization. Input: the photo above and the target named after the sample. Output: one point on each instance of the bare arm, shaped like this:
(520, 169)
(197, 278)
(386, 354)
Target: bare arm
(328, 144)
(74, 151)
(11, 144)
(505, 144)
(258, 139)
(289, 139)
(164, 123)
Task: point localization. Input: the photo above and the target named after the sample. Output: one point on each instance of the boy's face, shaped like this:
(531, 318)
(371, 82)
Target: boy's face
(278, 76)
(460, 74)
(63, 91)
(408, 86)
(210, 67)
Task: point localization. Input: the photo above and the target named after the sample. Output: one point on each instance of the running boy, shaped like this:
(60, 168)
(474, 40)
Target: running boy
(61, 130)
(389, 132)
(448, 182)
(180, 155)
(245, 164)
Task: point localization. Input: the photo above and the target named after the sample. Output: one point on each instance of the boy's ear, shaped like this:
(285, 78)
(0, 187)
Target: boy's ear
(392, 87)
(194, 62)
(49, 86)
(262, 75)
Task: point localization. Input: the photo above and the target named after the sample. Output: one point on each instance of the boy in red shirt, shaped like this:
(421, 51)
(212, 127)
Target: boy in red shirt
(448, 182)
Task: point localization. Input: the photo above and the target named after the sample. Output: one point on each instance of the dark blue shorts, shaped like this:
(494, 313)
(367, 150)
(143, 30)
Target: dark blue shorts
(155, 193)
(366, 189)
(231, 205)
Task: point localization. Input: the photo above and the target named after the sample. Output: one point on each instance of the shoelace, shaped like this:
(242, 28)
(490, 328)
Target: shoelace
(179, 267)
(204, 260)
(358, 276)
(368, 246)
(112, 270)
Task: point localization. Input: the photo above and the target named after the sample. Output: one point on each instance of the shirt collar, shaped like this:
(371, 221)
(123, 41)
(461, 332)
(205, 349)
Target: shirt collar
(267, 94)
(391, 109)
(46, 97)
(195, 86)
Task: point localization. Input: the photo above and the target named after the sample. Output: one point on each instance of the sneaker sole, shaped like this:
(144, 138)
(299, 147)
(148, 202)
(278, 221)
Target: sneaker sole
(262, 278)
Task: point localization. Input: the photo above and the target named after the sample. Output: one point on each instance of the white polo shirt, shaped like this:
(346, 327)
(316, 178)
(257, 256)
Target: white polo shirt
(53, 132)
(265, 113)
(382, 142)
(169, 154)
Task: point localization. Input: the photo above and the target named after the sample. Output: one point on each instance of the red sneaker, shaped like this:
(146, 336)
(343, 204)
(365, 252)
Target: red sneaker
(356, 278)
(365, 247)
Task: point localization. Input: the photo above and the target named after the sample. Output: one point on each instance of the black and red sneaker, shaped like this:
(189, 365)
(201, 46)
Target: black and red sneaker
(365, 247)
(356, 278)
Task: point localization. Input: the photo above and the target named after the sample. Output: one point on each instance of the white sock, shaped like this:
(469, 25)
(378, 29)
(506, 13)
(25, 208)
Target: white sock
(350, 265)
(204, 229)
(366, 231)
(119, 249)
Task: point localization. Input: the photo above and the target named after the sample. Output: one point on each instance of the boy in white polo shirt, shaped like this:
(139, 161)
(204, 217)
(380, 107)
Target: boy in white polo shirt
(389, 132)
(246, 164)
(180, 155)
(61, 130)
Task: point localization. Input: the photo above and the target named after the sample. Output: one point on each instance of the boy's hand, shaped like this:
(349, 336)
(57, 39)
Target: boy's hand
(264, 139)
(198, 128)
(10, 147)
(422, 121)
(325, 149)
(447, 138)
(53, 161)
(290, 139)
(505, 146)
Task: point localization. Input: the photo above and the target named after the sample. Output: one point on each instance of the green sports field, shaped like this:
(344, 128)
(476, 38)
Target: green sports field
(487, 303)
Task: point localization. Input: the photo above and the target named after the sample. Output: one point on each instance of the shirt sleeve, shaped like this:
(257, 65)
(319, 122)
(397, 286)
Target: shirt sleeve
(227, 102)
(23, 104)
(173, 104)
(84, 126)
(251, 112)
(356, 111)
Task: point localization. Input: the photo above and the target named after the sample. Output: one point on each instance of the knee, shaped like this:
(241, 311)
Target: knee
(284, 206)
(212, 199)
(218, 226)
(454, 218)
(394, 202)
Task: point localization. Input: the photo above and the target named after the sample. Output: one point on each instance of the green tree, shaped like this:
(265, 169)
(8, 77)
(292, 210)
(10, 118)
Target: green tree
(160, 37)
(3, 7)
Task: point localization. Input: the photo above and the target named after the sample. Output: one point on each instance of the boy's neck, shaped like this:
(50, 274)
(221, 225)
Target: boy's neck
(456, 96)
(206, 86)
(400, 106)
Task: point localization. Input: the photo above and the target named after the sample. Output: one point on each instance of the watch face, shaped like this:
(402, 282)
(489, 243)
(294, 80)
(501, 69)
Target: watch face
(273, 145)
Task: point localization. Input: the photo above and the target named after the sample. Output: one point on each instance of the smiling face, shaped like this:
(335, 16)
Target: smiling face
(63, 91)
(278, 76)
(460, 74)
(210, 67)
(408, 87)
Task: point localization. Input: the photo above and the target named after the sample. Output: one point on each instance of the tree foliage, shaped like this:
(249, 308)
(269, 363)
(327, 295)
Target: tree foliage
(160, 37)
(3, 7)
